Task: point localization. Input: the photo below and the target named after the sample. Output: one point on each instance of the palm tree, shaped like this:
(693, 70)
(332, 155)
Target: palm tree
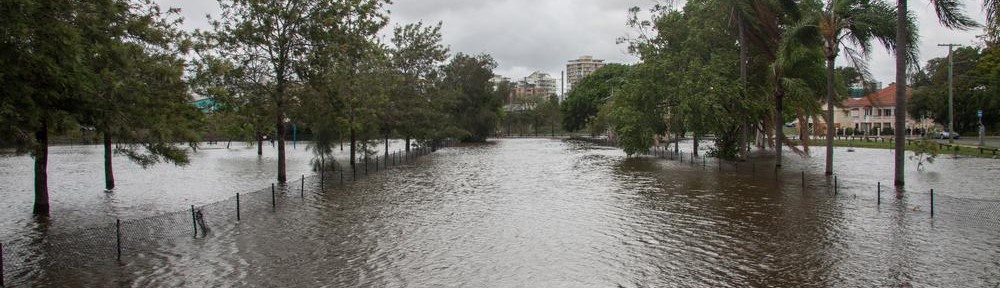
(949, 13)
(858, 22)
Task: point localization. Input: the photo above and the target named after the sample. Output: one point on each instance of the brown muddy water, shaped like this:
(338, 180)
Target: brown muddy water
(516, 213)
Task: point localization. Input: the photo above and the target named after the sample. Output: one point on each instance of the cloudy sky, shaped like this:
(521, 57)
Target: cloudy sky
(529, 35)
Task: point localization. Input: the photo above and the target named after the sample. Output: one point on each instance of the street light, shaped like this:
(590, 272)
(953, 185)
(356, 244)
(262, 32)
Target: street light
(951, 88)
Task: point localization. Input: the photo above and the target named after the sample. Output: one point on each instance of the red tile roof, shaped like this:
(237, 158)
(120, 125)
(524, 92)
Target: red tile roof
(880, 98)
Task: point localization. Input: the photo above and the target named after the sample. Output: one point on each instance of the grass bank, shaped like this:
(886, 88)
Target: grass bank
(884, 143)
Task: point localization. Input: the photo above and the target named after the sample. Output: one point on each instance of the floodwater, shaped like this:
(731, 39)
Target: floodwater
(549, 213)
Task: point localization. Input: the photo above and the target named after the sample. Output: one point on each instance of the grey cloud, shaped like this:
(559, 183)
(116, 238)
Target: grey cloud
(528, 35)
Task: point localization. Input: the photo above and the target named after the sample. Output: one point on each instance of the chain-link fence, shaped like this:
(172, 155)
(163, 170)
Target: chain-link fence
(971, 212)
(107, 245)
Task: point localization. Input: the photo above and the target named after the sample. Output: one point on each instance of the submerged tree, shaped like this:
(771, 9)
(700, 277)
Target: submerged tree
(949, 13)
(139, 97)
(474, 107)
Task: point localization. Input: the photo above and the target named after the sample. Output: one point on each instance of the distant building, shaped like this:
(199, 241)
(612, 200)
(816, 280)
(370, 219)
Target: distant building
(580, 68)
(536, 84)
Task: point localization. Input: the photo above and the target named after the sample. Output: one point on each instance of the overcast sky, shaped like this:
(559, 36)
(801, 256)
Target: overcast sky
(529, 35)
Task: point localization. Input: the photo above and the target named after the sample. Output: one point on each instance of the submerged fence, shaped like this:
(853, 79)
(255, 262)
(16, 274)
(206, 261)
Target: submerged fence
(973, 211)
(110, 244)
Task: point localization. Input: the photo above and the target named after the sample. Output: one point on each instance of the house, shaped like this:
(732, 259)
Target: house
(871, 114)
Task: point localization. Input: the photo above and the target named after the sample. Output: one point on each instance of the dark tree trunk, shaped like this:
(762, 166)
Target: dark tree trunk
(779, 94)
(901, 44)
(694, 152)
(260, 144)
(354, 145)
(744, 63)
(830, 133)
(109, 172)
(41, 170)
(282, 177)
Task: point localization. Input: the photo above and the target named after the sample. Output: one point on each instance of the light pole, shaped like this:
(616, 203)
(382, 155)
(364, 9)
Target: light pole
(951, 88)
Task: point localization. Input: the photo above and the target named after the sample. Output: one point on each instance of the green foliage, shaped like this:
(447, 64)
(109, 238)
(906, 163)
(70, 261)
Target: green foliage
(45, 78)
(473, 105)
(975, 79)
(589, 93)
(412, 110)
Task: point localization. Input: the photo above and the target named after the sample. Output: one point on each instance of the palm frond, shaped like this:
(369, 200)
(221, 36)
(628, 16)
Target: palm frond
(950, 15)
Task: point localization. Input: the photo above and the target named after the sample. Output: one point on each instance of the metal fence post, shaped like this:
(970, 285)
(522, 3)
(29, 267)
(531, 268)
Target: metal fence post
(237, 206)
(302, 187)
(118, 238)
(273, 204)
(879, 195)
(194, 222)
(932, 202)
(1, 266)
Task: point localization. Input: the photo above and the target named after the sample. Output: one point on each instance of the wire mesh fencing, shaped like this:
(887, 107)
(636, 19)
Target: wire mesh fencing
(106, 246)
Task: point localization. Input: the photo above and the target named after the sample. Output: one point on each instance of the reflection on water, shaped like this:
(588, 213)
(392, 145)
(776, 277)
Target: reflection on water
(531, 212)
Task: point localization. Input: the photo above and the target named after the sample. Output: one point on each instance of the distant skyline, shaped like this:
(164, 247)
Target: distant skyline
(526, 36)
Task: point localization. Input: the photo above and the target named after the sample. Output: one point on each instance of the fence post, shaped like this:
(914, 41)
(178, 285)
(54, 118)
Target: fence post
(836, 185)
(1, 266)
(118, 238)
(341, 177)
(194, 222)
(803, 179)
(273, 204)
(237, 206)
(302, 188)
(879, 195)
(932, 202)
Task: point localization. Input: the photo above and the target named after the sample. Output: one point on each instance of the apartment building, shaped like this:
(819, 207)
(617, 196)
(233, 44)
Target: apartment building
(579, 68)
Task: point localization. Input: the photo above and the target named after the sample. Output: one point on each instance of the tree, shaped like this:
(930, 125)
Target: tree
(343, 50)
(973, 81)
(859, 22)
(271, 34)
(416, 58)
(475, 105)
(589, 93)
(949, 13)
(139, 97)
(45, 78)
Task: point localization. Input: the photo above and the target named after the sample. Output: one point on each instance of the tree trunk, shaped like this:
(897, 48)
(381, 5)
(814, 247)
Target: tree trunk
(901, 44)
(109, 173)
(407, 144)
(830, 133)
(282, 177)
(744, 71)
(353, 145)
(387, 149)
(694, 151)
(779, 122)
(260, 144)
(41, 170)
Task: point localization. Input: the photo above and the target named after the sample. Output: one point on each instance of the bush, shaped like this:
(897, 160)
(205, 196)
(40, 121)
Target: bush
(887, 131)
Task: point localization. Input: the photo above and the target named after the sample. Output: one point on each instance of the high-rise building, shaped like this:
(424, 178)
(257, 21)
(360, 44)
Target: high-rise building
(579, 68)
(536, 84)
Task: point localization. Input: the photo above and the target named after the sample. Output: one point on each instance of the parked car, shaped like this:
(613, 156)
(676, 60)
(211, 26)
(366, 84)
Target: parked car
(946, 135)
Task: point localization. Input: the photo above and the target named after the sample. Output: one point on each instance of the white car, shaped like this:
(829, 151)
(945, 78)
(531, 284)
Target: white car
(946, 135)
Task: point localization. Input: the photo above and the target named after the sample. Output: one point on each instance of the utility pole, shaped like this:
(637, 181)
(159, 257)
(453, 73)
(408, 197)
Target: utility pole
(951, 92)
